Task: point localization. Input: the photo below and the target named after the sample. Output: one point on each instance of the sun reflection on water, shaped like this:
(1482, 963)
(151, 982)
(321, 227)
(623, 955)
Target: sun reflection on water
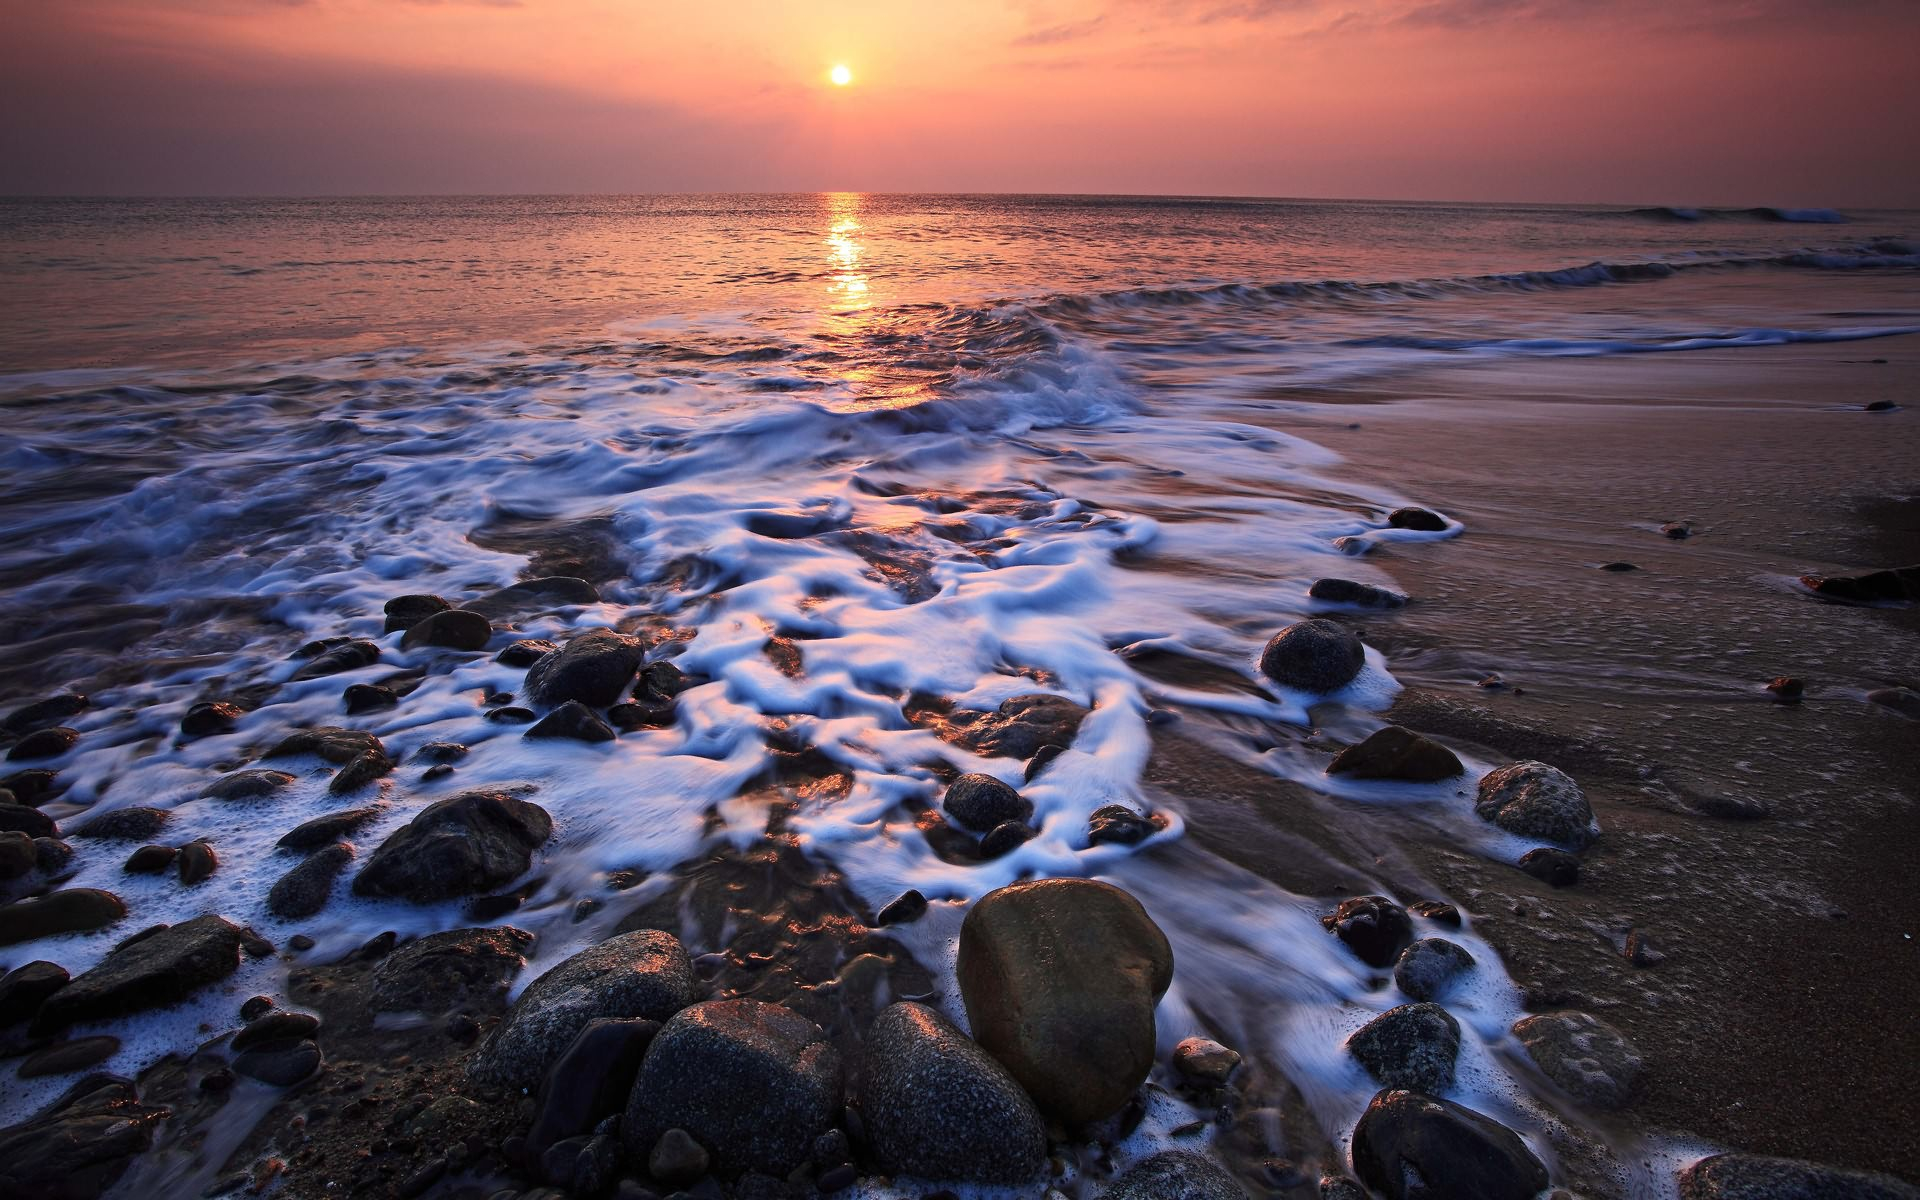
(857, 327)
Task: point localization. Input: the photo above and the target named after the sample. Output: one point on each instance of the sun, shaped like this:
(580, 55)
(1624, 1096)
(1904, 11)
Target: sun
(840, 75)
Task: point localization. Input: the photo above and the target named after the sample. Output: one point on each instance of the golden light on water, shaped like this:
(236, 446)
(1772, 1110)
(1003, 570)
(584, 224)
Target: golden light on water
(840, 75)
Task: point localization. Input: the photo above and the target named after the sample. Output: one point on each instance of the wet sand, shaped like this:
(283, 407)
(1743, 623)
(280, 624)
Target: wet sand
(1776, 1022)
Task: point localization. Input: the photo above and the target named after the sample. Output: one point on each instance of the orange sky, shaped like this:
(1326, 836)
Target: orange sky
(1798, 102)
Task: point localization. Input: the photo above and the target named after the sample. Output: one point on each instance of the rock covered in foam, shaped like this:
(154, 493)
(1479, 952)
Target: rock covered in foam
(464, 844)
(593, 668)
(1413, 1046)
(1427, 968)
(157, 969)
(1174, 1175)
(1589, 1059)
(1760, 1177)
(1313, 656)
(1412, 1146)
(1535, 800)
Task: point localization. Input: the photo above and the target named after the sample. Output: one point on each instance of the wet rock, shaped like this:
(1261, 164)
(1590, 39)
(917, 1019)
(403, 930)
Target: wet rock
(590, 1080)
(41, 714)
(197, 861)
(256, 1007)
(209, 717)
(1589, 1059)
(1412, 1046)
(1430, 966)
(1060, 978)
(44, 743)
(246, 785)
(156, 970)
(1005, 838)
(78, 1148)
(1899, 585)
(1202, 1060)
(1174, 1175)
(279, 1062)
(1677, 530)
(1420, 519)
(647, 714)
(347, 656)
(1758, 1177)
(1786, 689)
(1335, 1187)
(1373, 927)
(661, 680)
(1904, 701)
(1396, 753)
(304, 890)
(1555, 868)
(1118, 824)
(404, 612)
(1410, 1146)
(17, 855)
(454, 629)
(754, 1083)
(1534, 800)
(640, 974)
(1618, 568)
(535, 595)
(33, 786)
(1022, 725)
(330, 743)
(70, 910)
(274, 1027)
(512, 714)
(572, 720)
(363, 770)
(441, 752)
(1879, 406)
(25, 988)
(676, 1159)
(1362, 595)
(458, 968)
(980, 802)
(124, 824)
(368, 697)
(326, 828)
(936, 1105)
(593, 668)
(459, 846)
(18, 818)
(524, 653)
(903, 909)
(51, 855)
(1313, 656)
(66, 1057)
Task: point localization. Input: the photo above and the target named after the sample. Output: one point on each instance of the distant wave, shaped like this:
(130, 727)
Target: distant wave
(1807, 216)
(1654, 344)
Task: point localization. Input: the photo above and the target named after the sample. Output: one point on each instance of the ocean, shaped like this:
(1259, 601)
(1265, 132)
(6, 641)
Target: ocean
(847, 460)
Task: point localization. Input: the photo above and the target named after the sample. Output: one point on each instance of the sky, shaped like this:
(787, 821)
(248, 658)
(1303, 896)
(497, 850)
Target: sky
(1783, 102)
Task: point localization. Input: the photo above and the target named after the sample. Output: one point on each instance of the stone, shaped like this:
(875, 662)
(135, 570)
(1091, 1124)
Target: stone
(1373, 927)
(1534, 800)
(41, 714)
(907, 907)
(1005, 838)
(572, 720)
(368, 697)
(33, 786)
(326, 828)
(1417, 518)
(1759, 1177)
(1118, 824)
(661, 680)
(1313, 656)
(1785, 689)
(303, 891)
(246, 785)
(66, 1057)
(447, 971)
(197, 861)
(1427, 968)
(276, 1027)
(753, 1083)
(363, 770)
(1174, 1175)
(979, 802)
(524, 653)
(209, 717)
(17, 854)
(350, 655)
(1437, 911)
(454, 629)
(256, 1007)
(51, 855)
(330, 743)
(1410, 1146)
(676, 1159)
(1679, 531)
(936, 1105)
(535, 595)
(124, 824)
(1205, 1061)
(460, 846)
(1413, 1046)
(18, 818)
(44, 743)
(1618, 568)
(1587, 1058)
(1902, 700)
(593, 668)
(82, 1145)
(25, 988)
(512, 714)
(441, 752)
(1556, 868)
(644, 973)
(70, 910)
(590, 1080)
(1897, 586)
(1395, 753)
(404, 612)
(1361, 595)
(156, 970)
(281, 1062)
(1336, 1187)
(1060, 978)
(1021, 725)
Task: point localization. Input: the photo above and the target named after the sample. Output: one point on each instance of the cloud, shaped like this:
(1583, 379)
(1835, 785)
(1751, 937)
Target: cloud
(1053, 35)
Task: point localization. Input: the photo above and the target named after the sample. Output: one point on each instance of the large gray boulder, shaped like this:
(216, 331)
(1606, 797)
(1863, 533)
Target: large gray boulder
(1534, 800)
(1591, 1060)
(937, 1106)
(640, 974)
(158, 969)
(1412, 1146)
(1758, 1177)
(593, 668)
(1313, 656)
(469, 843)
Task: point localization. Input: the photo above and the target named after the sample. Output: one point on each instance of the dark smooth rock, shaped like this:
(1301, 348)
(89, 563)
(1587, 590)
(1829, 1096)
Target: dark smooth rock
(753, 1083)
(18, 818)
(907, 907)
(1786, 689)
(209, 717)
(1555, 868)
(1429, 967)
(979, 802)
(404, 612)
(160, 969)
(1438, 911)
(1618, 568)
(677, 1159)
(64, 1058)
(1060, 978)
(441, 752)
(303, 891)
(1005, 838)
(1205, 1061)
(363, 770)
(33, 786)
(524, 653)
(276, 1027)
(51, 855)
(197, 861)
(1679, 531)
(1118, 824)
(44, 743)
(1174, 1175)
(511, 715)
(455, 629)
(1758, 1177)
(593, 668)
(280, 1063)
(936, 1105)
(330, 743)
(1410, 1146)
(1022, 725)
(78, 1149)
(643, 714)
(246, 785)
(326, 828)
(256, 1007)
(1534, 800)
(534, 596)
(1879, 406)
(644, 973)
(1396, 753)
(1417, 518)
(17, 854)
(1896, 586)
(368, 697)
(1904, 701)
(459, 846)
(41, 714)
(1589, 1059)
(661, 680)
(1336, 1187)
(1313, 656)
(572, 720)
(591, 1079)
(1373, 927)
(25, 988)
(70, 910)
(1413, 1046)
(1362, 595)
(124, 824)
(446, 971)
(348, 656)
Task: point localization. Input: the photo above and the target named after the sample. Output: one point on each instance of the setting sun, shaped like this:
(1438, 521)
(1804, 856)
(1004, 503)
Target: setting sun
(840, 75)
